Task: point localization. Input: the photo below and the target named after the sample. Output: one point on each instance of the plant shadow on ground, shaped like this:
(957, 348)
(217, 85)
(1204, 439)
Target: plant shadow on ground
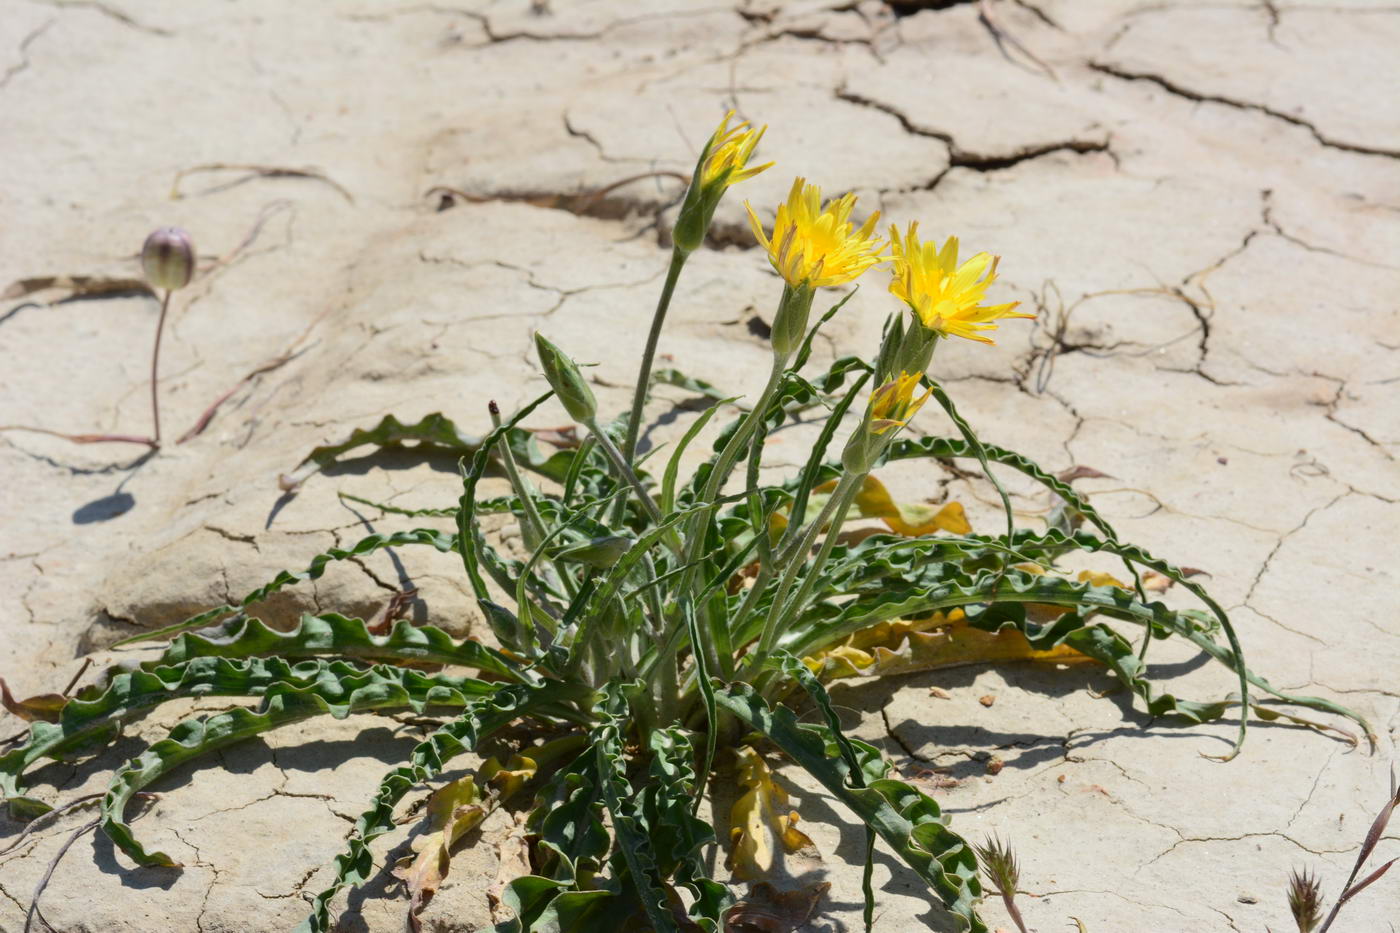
(390, 459)
(861, 701)
(1022, 749)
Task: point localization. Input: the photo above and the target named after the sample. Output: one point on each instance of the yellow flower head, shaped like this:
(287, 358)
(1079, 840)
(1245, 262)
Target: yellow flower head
(946, 296)
(893, 404)
(816, 246)
(728, 151)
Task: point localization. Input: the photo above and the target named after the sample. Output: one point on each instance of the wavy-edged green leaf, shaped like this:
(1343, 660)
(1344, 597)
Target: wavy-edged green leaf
(942, 447)
(628, 819)
(952, 588)
(93, 718)
(568, 818)
(439, 540)
(331, 634)
(435, 432)
(674, 377)
(483, 716)
(909, 821)
(678, 836)
(196, 737)
(483, 507)
(798, 671)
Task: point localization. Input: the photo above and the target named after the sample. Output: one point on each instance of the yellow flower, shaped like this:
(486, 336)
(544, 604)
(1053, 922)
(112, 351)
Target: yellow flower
(946, 296)
(816, 246)
(729, 151)
(893, 404)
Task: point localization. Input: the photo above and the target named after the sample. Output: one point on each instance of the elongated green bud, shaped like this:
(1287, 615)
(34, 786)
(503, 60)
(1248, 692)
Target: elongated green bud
(504, 624)
(790, 324)
(862, 450)
(566, 381)
(168, 258)
(600, 552)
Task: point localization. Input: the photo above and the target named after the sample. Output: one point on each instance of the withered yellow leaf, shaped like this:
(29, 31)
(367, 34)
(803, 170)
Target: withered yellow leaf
(763, 826)
(875, 501)
(453, 810)
(908, 646)
(911, 520)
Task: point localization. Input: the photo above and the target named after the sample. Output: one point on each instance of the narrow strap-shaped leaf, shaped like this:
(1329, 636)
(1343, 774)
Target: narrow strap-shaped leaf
(468, 531)
(707, 695)
(804, 352)
(807, 480)
(673, 464)
(970, 437)
(634, 554)
(908, 821)
(484, 507)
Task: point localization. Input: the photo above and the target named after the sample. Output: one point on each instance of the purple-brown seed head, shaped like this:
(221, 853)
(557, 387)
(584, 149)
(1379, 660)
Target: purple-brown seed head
(168, 258)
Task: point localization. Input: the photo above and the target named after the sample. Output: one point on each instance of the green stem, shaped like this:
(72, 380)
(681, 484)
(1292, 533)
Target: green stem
(155, 367)
(835, 512)
(699, 525)
(625, 472)
(639, 397)
(760, 583)
(534, 524)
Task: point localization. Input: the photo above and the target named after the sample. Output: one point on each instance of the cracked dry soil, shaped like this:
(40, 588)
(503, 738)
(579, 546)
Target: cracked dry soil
(1199, 199)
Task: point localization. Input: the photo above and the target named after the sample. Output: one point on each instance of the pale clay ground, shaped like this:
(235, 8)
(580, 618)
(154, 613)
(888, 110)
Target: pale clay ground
(1223, 179)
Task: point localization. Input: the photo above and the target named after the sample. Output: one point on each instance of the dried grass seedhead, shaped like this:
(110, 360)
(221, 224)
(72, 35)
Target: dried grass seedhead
(1305, 900)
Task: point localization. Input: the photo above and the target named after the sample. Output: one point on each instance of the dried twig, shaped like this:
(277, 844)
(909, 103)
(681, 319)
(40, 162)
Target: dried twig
(999, 32)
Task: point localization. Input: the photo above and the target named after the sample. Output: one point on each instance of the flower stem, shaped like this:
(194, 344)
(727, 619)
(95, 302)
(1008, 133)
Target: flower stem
(639, 397)
(155, 365)
(629, 476)
(835, 512)
(534, 524)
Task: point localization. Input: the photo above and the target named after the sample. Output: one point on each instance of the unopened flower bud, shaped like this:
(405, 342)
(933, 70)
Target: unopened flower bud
(168, 258)
(566, 381)
(790, 323)
(600, 552)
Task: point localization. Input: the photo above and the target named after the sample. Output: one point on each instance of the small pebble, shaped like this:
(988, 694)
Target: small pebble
(1247, 899)
(940, 693)
(987, 700)
(994, 765)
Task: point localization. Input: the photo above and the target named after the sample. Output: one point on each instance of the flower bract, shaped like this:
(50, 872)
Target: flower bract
(893, 404)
